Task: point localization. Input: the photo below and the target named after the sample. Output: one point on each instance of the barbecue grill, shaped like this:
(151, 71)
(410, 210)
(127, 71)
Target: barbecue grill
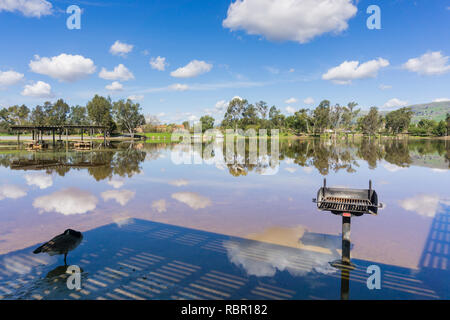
(345, 201)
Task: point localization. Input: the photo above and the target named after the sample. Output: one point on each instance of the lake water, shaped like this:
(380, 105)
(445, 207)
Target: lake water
(154, 229)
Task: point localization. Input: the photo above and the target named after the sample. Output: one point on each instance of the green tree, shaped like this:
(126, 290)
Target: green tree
(371, 123)
(78, 115)
(186, 125)
(128, 115)
(19, 115)
(349, 114)
(440, 129)
(249, 115)
(298, 122)
(398, 121)
(336, 117)
(14, 115)
(38, 116)
(99, 111)
(57, 112)
(207, 123)
(322, 116)
(277, 119)
(426, 126)
(262, 108)
(234, 112)
(5, 121)
(447, 119)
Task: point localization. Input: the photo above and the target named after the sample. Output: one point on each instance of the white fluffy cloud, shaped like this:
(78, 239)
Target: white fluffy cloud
(192, 199)
(290, 110)
(41, 180)
(296, 20)
(39, 89)
(221, 105)
(159, 205)
(441, 99)
(178, 87)
(122, 197)
(430, 63)
(9, 78)
(158, 63)
(192, 69)
(67, 202)
(394, 103)
(308, 100)
(115, 86)
(120, 72)
(425, 204)
(29, 8)
(120, 48)
(351, 70)
(12, 192)
(291, 100)
(219, 108)
(179, 182)
(65, 67)
(136, 97)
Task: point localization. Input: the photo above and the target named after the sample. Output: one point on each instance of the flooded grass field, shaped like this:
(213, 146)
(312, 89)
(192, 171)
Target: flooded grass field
(153, 229)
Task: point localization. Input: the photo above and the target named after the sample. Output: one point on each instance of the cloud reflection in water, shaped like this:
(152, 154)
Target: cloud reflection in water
(192, 199)
(284, 249)
(12, 192)
(426, 205)
(41, 180)
(122, 197)
(67, 202)
(159, 205)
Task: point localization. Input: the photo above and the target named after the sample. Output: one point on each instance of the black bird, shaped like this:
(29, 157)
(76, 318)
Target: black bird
(61, 244)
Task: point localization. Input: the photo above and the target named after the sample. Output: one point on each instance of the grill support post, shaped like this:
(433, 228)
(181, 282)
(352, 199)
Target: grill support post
(345, 284)
(346, 240)
(345, 264)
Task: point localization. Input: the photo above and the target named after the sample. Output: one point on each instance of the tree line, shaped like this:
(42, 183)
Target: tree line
(123, 115)
(325, 117)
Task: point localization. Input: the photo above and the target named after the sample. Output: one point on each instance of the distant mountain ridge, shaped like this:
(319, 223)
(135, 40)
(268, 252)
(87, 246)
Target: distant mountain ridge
(433, 111)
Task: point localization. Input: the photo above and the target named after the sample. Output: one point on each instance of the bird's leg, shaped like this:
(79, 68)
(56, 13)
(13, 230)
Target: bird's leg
(65, 257)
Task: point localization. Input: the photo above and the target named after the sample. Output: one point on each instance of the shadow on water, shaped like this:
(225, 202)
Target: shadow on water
(435, 259)
(146, 260)
(329, 241)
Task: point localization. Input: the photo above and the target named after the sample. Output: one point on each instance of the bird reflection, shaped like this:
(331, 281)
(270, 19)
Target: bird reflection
(58, 271)
(61, 244)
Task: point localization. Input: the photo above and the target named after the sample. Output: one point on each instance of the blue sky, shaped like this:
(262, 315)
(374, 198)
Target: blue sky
(291, 57)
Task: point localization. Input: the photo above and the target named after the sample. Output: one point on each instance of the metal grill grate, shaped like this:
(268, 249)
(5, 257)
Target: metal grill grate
(344, 200)
(344, 204)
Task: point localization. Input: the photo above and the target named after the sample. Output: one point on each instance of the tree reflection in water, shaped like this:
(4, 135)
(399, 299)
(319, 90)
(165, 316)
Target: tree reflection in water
(331, 156)
(326, 156)
(123, 160)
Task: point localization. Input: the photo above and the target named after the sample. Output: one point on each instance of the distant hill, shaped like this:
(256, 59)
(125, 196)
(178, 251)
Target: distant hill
(434, 111)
